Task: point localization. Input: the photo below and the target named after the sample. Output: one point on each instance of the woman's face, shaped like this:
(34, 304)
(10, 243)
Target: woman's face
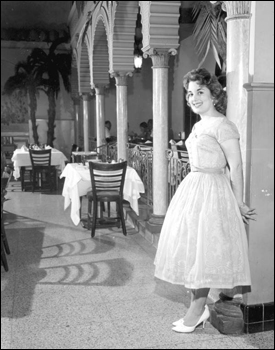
(199, 98)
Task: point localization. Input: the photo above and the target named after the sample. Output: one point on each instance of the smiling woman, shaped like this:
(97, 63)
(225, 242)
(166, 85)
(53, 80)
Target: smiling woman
(203, 242)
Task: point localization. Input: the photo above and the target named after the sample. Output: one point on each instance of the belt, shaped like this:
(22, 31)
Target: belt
(209, 170)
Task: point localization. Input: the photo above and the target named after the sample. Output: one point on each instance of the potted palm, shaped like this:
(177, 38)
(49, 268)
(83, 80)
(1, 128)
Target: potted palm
(210, 31)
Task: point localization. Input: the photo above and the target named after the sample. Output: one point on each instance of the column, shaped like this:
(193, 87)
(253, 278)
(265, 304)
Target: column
(76, 101)
(122, 114)
(227, 315)
(261, 180)
(160, 137)
(86, 98)
(100, 115)
(238, 23)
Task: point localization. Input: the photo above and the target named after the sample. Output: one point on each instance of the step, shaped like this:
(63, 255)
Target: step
(141, 222)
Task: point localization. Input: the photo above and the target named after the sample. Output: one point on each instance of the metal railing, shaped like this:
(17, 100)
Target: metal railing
(178, 168)
(141, 159)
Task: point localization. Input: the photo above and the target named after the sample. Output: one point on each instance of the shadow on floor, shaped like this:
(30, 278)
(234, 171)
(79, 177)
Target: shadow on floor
(33, 263)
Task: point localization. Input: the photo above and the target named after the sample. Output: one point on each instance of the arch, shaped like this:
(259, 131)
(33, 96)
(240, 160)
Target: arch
(122, 36)
(160, 25)
(99, 49)
(83, 63)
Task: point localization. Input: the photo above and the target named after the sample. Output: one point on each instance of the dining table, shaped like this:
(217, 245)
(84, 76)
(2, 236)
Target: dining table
(78, 183)
(21, 158)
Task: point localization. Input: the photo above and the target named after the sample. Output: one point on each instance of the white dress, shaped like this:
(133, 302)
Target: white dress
(203, 241)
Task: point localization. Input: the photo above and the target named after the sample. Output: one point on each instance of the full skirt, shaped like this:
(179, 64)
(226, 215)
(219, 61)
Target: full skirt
(203, 242)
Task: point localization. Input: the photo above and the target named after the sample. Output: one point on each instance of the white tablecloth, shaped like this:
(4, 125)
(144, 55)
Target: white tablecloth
(22, 158)
(78, 183)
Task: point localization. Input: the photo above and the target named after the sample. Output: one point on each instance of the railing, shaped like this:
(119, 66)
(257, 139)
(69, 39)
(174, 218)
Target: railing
(178, 168)
(107, 152)
(141, 159)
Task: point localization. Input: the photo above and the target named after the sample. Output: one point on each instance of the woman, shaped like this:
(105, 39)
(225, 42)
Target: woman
(203, 242)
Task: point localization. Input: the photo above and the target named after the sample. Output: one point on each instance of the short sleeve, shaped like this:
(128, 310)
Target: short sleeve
(227, 131)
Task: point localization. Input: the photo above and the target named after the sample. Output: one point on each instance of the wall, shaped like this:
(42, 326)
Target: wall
(261, 232)
(261, 147)
(13, 52)
(184, 61)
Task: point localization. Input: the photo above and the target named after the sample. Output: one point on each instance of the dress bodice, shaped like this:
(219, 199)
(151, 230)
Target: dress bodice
(204, 143)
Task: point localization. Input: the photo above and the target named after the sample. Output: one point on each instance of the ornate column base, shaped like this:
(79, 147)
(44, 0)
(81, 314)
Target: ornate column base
(154, 224)
(227, 316)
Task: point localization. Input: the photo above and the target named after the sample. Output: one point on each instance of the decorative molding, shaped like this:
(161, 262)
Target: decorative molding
(86, 96)
(236, 9)
(236, 17)
(159, 58)
(99, 89)
(259, 86)
(121, 78)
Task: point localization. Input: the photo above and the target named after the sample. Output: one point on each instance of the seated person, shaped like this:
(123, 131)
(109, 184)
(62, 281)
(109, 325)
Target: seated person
(108, 136)
(75, 148)
(143, 130)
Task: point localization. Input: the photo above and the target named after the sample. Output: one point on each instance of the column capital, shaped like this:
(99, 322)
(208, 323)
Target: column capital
(100, 89)
(86, 96)
(236, 9)
(160, 58)
(121, 77)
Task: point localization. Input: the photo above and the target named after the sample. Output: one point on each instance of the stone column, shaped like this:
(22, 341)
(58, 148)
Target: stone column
(160, 137)
(238, 23)
(261, 186)
(122, 114)
(76, 101)
(226, 315)
(100, 115)
(86, 98)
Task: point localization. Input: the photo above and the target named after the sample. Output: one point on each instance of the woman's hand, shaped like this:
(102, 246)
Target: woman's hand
(247, 213)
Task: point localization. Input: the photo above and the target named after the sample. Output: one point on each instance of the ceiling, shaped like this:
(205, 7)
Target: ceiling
(47, 15)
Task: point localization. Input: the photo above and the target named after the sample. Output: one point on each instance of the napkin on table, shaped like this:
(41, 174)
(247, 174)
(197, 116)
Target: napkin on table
(24, 148)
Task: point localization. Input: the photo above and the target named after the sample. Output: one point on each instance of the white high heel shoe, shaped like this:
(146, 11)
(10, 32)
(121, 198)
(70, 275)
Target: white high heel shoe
(181, 328)
(181, 320)
(178, 322)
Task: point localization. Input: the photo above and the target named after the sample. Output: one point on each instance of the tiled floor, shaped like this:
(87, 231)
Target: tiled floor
(65, 290)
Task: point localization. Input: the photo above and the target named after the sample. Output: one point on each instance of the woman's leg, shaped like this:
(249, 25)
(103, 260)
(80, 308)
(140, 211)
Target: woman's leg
(197, 306)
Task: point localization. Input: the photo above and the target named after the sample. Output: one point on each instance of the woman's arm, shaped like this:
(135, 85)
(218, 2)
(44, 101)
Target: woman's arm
(232, 151)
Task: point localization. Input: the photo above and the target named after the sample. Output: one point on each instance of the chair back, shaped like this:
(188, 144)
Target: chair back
(108, 177)
(40, 158)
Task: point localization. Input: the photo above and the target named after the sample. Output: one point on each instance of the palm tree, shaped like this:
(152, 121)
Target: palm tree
(48, 69)
(210, 31)
(25, 80)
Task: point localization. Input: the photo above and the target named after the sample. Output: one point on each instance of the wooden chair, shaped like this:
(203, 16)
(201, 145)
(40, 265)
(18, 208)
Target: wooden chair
(107, 186)
(42, 169)
(25, 174)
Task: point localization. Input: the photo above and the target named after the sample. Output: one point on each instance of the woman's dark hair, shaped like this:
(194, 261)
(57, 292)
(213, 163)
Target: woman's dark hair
(204, 78)
(143, 125)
